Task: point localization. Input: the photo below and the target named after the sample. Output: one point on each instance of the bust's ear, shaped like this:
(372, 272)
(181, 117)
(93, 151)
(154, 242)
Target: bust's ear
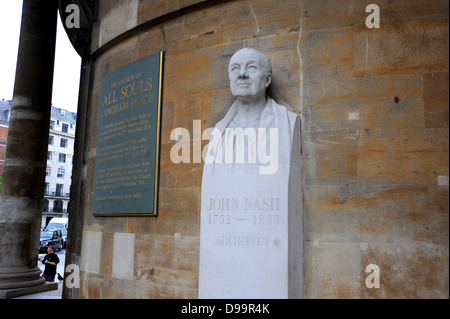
(268, 79)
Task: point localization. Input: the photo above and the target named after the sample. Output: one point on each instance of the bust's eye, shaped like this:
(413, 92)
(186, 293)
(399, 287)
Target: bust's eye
(234, 68)
(252, 67)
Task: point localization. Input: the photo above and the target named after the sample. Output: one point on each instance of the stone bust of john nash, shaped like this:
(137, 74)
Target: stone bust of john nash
(250, 228)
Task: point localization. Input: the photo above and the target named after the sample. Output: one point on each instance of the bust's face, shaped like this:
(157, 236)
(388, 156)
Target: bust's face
(248, 72)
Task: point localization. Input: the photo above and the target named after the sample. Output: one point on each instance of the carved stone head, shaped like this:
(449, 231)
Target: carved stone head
(250, 73)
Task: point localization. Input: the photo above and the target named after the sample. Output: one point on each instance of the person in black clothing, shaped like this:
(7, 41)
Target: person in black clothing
(50, 261)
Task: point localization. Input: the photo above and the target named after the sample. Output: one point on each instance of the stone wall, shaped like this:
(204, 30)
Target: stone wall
(374, 110)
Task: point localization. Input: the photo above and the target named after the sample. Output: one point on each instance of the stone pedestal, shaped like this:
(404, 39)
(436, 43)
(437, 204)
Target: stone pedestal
(251, 229)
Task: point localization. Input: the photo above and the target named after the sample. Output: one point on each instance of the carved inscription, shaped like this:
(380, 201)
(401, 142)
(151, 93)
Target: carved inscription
(252, 212)
(243, 241)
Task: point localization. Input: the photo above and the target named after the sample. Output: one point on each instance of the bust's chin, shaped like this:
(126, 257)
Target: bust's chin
(248, 96)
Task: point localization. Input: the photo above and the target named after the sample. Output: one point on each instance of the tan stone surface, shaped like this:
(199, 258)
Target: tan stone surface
(371, 164)
(435, 98)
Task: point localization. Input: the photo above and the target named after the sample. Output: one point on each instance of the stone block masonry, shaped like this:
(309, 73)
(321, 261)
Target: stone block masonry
(373, 105)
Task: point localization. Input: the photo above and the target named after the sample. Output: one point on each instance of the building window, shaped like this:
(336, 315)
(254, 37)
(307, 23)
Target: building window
(62, 158)
(63, 142)
(59, 189)
(65, 128)
(62, 112)
(52, 125)
(58, 206)
(49, 156)
(61, 172)
(48, 172)
(47, 188)
(50, 140)
(45, 207)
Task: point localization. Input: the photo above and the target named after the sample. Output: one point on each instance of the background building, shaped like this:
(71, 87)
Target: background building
(5, 112)
(59, 164)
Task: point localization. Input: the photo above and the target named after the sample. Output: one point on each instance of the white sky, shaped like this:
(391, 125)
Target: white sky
(67, 61)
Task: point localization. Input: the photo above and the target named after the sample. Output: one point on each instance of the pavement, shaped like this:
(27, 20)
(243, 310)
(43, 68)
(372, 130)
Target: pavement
(52, 294)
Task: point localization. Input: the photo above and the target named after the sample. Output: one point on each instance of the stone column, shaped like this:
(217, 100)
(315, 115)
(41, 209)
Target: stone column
(22, 192)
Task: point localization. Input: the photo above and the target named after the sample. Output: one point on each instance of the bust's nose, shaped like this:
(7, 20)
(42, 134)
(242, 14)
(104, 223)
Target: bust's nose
(243, 74)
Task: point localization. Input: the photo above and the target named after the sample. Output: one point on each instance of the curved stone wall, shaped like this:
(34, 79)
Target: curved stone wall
(371, 162)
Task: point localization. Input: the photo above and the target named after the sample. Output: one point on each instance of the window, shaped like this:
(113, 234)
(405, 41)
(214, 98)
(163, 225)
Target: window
(63, 142)
(61, 172)
(49, 156)
(52, 125)
(49, 171)
(58, 206)
(50, 140)
(62, 158)
(47, 188)
(62, 112)
(45, 207)
(65, 128)
(59, 189)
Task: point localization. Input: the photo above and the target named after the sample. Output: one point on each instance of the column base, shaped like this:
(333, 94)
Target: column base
(20, 278)
(13, 293)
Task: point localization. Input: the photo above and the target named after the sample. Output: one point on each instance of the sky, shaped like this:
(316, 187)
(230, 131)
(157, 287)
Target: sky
(66, 76)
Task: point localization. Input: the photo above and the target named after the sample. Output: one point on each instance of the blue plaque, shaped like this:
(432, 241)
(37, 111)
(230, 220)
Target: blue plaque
(128, 138)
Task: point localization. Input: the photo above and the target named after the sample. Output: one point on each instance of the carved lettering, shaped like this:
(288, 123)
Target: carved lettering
(242, 241)
(244, 204)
